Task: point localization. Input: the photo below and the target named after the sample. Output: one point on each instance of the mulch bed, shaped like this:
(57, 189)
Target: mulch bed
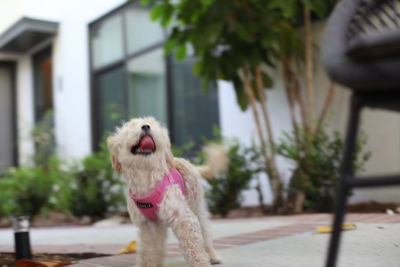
(8, 259)
(365, 207)
(372, 207)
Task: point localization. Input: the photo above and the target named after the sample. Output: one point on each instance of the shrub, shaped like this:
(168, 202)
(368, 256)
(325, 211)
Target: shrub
(87, 188)
(24, 190)
(95, 188)
(32, 190)
(225, 192)
(316, 172)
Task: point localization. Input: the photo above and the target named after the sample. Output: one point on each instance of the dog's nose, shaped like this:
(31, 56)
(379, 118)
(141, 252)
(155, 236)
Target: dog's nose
(146, 128)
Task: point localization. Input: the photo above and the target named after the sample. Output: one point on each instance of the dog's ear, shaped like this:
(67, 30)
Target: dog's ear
(114, 149)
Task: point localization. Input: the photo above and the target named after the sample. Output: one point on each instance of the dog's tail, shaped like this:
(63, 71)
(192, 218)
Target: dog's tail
(216, 161)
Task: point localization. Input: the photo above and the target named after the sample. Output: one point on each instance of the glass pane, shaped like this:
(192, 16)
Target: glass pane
(110, 101)
(195, 112)
(107, 41)
(141, 31)
(146, 93)
(43, 83)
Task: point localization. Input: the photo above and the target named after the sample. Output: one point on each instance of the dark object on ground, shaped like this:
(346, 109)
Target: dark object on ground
(361, 50)
(8, 259)
(22, 245)
(21, 237)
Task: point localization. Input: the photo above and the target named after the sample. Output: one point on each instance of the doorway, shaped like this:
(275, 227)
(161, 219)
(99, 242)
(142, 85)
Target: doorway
(8, 119)
(43, 132)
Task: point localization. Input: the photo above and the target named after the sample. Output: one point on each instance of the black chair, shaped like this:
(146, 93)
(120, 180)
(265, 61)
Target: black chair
(361, 50)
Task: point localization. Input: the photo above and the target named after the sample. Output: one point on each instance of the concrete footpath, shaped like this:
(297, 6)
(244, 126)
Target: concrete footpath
(279, 241)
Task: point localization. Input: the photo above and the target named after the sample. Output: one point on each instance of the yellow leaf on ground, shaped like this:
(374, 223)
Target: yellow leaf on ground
(129, 248)
(329, 229)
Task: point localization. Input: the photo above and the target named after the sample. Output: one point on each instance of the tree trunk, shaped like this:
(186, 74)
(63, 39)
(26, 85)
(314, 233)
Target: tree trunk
(260, 196)
(293, 87)
(273, 175)
(299, 202)
(327, 105)
(293, 90)
(263, 100)
(309, 69)
(290, 97)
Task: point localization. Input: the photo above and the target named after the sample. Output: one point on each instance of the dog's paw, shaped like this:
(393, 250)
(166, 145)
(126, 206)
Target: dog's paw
(216, 259)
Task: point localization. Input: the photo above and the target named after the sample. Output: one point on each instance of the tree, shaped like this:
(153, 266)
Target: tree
(240, 41)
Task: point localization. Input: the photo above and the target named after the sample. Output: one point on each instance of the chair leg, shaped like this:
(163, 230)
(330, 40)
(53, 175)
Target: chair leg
(345, 172)
(337, 223)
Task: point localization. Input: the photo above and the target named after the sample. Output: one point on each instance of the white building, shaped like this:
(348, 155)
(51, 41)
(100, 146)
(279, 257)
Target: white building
(95, 62)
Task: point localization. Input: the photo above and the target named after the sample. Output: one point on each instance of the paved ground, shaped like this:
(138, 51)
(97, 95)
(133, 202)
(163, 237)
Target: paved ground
(284, 241)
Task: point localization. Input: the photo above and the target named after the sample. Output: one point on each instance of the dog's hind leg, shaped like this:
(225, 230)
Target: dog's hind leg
(152, 244)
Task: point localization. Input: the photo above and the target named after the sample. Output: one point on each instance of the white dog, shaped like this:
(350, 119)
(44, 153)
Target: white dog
(164, 192)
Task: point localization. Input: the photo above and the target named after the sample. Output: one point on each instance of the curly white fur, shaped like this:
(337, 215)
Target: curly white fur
(186, 214)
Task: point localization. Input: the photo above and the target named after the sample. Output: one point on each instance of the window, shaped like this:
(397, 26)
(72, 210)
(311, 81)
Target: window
(194, 113)
(131, 77)
(43, 83)
(107, 41)
(110, 99)
(141, 32)
(146, 86)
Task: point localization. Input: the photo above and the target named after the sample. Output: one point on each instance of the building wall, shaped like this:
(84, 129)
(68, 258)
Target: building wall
(70, 70)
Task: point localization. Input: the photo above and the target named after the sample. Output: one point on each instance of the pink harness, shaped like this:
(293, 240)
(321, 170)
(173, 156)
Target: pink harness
(149, 204)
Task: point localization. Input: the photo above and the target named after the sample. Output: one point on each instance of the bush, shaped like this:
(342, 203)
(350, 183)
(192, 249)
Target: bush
(225, 192)
(25, 190)
(95, 188)
(316, 173)
(87, 188)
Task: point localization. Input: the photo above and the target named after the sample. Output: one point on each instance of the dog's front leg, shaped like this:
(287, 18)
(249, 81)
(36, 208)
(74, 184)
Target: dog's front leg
(175, 212)
(152, 244)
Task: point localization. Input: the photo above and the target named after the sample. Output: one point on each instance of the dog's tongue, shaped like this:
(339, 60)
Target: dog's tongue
(147, 143)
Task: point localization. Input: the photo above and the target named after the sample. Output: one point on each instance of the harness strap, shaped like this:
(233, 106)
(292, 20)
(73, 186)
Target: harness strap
(149, 204)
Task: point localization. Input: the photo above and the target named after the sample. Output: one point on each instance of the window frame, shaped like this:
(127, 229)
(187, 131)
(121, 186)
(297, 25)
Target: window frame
(123, 62)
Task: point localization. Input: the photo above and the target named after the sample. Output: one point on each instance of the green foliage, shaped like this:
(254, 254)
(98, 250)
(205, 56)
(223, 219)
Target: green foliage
(43, 137)
(181, 151)
(228, 36)
(95, 189)
(32, 190)
(25, 190)
(87, 188)
(226, 189)
(316, 173)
